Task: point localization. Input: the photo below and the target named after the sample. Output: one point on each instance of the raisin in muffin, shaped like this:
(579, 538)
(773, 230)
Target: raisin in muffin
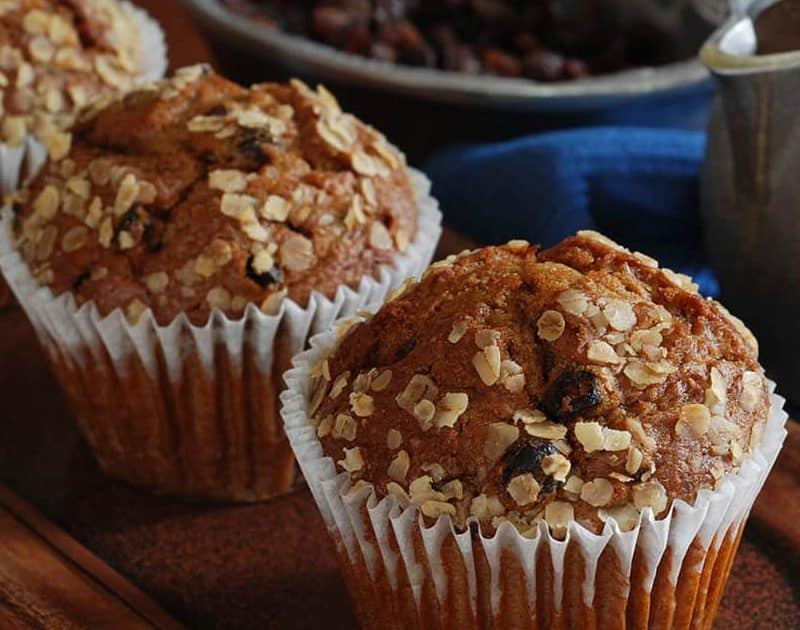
(188, 241)
(572, 394)
(201, 194)
(55, 57)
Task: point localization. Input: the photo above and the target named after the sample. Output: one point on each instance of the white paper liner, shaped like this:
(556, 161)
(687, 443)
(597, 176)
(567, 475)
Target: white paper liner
(367, 531)
(79, 339)
(154, 59)
(32, 153)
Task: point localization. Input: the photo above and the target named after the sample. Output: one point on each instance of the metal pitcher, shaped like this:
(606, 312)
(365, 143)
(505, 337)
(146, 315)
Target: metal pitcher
(750, 193)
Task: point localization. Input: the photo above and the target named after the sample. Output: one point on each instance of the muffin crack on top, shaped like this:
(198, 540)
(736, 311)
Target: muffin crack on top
(195, 194)
(579, 383)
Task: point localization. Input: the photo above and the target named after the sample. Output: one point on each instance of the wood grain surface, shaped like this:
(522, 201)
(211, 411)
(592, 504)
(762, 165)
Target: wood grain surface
(248, 566)
(48, 580)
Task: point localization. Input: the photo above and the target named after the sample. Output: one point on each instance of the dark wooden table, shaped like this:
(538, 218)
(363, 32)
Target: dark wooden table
(96, 553)
(49, 580)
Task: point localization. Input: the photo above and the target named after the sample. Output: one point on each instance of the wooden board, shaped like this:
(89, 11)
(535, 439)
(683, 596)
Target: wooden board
(48, 580)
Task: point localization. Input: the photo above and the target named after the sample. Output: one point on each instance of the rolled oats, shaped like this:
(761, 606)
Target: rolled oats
(450, 408)
(382, 381)
(693, 421)
(550, 325)
(487, 364)
(558, 515)
(353, 459)
(600, 352)
(485, 507)
(498, 439)
(420, 386)
(297, 253)
(398, 468)
(379, 236)
(345, 427)
(619, 314)
(457, 332)
(394, 439)
(435, 509)
(597, 492)
(227, 180)
(650, 494)
(546, 430)
(752, 390)
(557, 466)
(626, 516)
(590, 436)
(573, 302)
(74, 239)
(362, 404)
(524, 489)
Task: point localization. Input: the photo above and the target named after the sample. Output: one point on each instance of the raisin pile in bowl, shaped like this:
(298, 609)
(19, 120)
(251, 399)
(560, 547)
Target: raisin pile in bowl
(549, 40)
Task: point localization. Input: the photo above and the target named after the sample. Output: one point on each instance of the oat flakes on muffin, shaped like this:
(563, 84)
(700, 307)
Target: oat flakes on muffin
(533, 439)
(55, 57)
(201, 230)
(577, 382)
(201, 194)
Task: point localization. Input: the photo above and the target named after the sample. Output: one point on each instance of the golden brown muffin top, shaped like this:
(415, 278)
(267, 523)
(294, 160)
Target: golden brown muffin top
(58, 55)
(575, 383)
(198, 193)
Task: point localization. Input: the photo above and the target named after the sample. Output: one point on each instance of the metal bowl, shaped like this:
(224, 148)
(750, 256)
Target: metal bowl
(673, 94)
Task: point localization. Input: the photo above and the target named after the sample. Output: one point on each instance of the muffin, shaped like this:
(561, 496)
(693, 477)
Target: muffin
(533, 439)
(55, 58)
(179, 253)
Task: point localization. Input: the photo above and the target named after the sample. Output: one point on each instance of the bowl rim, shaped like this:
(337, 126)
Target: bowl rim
(305, 55)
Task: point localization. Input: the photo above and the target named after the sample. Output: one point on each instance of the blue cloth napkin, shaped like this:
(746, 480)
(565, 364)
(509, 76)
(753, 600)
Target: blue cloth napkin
(637, 185)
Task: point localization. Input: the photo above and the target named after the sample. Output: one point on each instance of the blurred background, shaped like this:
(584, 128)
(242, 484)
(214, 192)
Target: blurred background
(433, 72)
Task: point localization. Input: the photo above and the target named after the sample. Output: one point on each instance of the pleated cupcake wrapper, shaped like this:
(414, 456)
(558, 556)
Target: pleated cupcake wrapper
(667, 572)
(26, 158)
(187, 409)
